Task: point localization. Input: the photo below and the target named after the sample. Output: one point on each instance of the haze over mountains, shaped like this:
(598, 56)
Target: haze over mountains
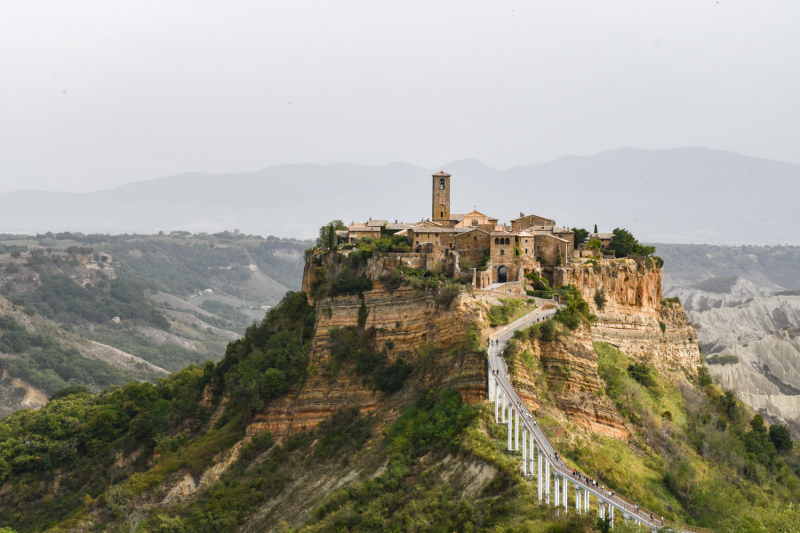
(674, 195)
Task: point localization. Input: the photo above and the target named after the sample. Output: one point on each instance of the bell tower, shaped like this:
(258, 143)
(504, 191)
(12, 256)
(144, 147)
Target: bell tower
(441, 196)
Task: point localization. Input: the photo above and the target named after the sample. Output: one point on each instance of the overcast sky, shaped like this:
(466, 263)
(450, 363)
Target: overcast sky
(98, 93)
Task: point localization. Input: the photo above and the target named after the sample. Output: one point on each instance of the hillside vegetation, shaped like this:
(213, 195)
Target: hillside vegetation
(173, 456)
(79, 306)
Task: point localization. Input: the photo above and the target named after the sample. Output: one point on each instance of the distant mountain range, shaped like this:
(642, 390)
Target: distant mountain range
(674, 195)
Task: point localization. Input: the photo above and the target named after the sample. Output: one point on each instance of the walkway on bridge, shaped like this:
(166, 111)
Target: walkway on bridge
(537, 451)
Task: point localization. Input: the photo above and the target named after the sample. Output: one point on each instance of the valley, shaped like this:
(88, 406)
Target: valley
(746, 303)
(129, 307)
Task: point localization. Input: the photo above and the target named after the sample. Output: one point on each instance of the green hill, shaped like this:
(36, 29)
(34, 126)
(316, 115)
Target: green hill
(175, 456)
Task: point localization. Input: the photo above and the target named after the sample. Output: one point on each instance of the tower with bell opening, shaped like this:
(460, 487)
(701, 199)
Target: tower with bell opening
(441, 197)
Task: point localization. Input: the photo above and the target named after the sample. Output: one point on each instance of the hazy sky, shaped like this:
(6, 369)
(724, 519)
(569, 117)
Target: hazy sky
(98, 93)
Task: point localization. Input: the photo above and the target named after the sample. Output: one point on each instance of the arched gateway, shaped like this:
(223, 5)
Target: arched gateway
(502, 275)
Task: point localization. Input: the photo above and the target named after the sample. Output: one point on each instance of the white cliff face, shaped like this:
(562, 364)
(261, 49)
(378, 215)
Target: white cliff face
(762, 330)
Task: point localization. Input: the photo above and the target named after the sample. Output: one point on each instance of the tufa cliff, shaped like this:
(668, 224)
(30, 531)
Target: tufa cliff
(634, 318)
(413, 324)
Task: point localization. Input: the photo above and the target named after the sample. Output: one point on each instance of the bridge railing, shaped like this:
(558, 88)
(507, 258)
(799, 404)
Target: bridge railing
(627, 504)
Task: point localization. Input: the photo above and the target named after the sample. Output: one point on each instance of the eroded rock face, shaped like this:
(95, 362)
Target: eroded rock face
(408, 323)
(412, 325)
(633, 313)
(569, 365)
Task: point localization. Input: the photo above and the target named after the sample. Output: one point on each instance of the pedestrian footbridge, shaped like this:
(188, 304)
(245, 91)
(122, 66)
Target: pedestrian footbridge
(540, 460)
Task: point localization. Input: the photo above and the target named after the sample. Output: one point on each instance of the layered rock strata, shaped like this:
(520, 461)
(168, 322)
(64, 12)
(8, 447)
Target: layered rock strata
(633, 314)
(411, 324)
(569, 367)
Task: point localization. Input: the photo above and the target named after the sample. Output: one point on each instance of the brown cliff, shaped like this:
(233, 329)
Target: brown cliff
(633, 313)
(409, 323)
(566, 369)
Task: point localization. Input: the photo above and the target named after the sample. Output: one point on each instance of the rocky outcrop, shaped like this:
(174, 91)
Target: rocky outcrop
(408, 323)
(411, 324)
(569, 367)
(633, 314)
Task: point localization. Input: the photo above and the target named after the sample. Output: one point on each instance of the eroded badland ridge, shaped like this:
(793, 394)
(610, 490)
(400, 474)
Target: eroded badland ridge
(360, 402)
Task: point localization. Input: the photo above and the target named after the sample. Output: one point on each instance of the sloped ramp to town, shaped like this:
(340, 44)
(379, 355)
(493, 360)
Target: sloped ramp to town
(540, 460)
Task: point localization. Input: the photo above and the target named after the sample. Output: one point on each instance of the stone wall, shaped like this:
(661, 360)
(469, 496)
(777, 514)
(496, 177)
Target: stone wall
(525, 222)
(472, 241)
(550, 247)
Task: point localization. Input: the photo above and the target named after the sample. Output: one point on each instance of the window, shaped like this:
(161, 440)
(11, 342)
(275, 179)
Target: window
(441, 214)
(526, 250)
(496, 241)
(441, 183)
(474, 238)
(508, 241)
(474, 223)
(502, 252)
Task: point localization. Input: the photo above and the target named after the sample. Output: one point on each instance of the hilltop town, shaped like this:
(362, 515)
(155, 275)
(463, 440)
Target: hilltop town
(531, 247)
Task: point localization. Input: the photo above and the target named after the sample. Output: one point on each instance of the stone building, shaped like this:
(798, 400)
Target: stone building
(493, 252)
(604, 238)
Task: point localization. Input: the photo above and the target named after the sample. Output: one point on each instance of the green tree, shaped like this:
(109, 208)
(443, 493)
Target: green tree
(595, 228)
(324, 239)
(331, 237)
(622, 242)
(757, 423)
(704, 376)
(580, 235)
(780, 437)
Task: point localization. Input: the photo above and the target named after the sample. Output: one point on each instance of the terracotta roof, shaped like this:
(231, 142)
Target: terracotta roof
(524, 234)
(363, 229)
(398, 225)
(442, 174)
(474, 213)
(342, 232)
(554, 237)
(424, 229)
(457, 217)
(378, 223)
(470, 230)
(531, 215)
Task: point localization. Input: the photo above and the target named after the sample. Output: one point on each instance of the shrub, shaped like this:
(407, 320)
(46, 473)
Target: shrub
(346, 283)
(501, 314)
(15, 341)
(643, 373)
(722, 360)
(447, 293)
(576, 310)
(780, 437)
(704, 376)
(600, 298)
(391, 378)
(663, 326)
(435, 422)
(393, 280)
